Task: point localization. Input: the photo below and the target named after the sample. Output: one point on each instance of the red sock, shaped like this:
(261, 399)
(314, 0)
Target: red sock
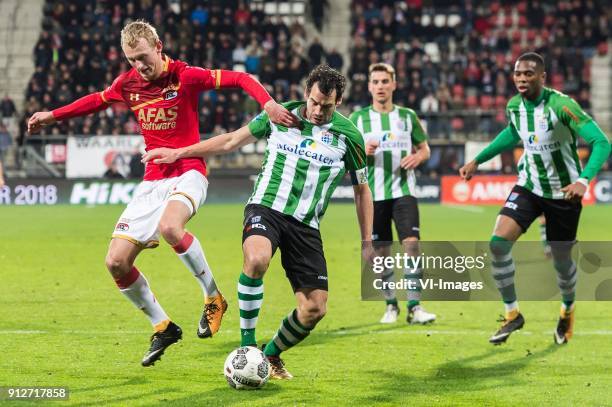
(128, 279)
(184, 244)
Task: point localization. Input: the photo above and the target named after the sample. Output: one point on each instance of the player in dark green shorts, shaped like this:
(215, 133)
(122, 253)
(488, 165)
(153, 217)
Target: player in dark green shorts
(302, 167)
(391, 132)
(551, 182)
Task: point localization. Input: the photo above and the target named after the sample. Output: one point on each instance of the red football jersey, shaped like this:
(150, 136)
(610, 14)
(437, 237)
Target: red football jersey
(166, 109)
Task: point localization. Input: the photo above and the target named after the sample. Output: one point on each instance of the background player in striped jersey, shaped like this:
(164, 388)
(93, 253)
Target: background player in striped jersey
(551, 181)
(301, 169)
(163, 94)
(391, 132)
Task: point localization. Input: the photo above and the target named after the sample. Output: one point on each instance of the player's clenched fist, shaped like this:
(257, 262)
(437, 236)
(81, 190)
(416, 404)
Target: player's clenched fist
(40, 120)
(468, 170)
(161, 155)
(371, 147)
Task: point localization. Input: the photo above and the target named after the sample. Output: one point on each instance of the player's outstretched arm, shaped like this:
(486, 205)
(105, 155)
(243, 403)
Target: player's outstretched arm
(232, 79)
(221, 144)
(39, 120)
(83, 106)
(468, 170)
(505, 140)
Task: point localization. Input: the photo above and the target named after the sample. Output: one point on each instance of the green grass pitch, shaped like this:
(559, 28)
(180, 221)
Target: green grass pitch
(64, 323)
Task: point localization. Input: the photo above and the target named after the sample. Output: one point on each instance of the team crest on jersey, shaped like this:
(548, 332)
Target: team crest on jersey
(401, 124)
(327, 137)
(170, 92)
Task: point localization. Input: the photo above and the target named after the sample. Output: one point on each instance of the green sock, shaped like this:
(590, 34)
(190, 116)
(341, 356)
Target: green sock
(290, 333)
(502, 267)
(250, 297)
(392, 301)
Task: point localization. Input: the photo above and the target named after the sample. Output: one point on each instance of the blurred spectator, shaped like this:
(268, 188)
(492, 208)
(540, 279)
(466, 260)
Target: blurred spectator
(113, 172)
(334, 59)
(137, 168)
(7, 111)
(317, 12)
(315, 52)
(5, 141)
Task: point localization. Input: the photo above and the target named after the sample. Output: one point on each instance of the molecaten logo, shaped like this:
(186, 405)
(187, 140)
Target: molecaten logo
(305, 149)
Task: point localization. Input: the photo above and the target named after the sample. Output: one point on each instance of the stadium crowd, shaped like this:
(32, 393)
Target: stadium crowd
(453, 63)
(447, 66)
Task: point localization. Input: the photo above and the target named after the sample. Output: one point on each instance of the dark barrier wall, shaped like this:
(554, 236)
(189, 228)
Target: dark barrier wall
(223, 188)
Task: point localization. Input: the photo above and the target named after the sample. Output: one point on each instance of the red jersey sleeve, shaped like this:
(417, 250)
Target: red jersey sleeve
(112, 94)
(94, 102)
(203, 79)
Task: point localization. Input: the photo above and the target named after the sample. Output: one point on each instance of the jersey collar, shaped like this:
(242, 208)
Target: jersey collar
(538, 100)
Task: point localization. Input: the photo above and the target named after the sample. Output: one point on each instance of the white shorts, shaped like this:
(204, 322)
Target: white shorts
(139, 222)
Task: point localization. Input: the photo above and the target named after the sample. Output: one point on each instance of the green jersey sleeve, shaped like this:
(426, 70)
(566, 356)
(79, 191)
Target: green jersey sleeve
(259, 126)
(355, 157)
(601, 149)
(418, 133)
(505, 140)
(570, 113)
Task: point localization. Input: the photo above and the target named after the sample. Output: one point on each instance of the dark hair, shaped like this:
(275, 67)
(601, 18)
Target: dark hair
(533, 56)
(327, 79)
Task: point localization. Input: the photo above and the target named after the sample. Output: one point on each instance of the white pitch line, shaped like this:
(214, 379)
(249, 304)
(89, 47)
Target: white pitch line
(322, 332)
(467, 208)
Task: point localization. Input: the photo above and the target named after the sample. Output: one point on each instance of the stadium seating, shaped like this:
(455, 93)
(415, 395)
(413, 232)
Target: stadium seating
(467, 51)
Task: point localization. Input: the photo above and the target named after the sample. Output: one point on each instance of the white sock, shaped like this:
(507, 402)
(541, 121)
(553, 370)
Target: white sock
(139, 293)
(511, 307)
(191, 254)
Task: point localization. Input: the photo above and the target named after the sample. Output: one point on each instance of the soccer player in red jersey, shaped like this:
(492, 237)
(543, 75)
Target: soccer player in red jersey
(163, 94)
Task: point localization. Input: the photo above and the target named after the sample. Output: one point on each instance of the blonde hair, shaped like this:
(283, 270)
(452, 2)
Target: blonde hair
(135, 30)
(381, 67)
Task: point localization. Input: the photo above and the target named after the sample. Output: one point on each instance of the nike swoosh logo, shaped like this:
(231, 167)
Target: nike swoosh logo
(202, 331)
(153, 354)
(494, 337)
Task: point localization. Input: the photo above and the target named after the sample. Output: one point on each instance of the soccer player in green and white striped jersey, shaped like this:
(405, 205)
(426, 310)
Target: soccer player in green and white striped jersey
(550, 181)
(302, 167)
(391, 132)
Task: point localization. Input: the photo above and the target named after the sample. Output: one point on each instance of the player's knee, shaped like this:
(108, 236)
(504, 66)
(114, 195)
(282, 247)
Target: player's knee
(117, 266)
(500, 247)
(171, 232)
(256, 264)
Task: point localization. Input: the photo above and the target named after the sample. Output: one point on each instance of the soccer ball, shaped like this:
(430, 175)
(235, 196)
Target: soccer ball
(246, 368)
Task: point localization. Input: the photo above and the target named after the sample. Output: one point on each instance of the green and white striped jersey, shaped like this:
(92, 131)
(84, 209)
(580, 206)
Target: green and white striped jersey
(396, 131)
(548, 129)
(301, 168)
